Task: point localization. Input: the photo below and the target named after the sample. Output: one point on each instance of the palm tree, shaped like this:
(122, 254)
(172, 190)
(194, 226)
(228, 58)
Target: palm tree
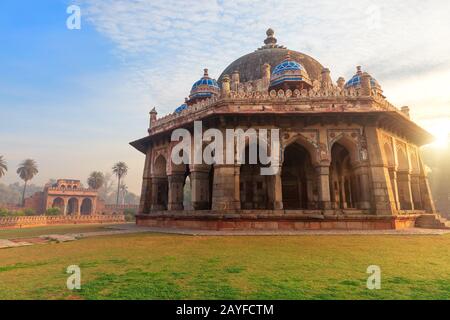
(124, 190)
(26, 171)
(96, 180)
(120, 169)
(3, 166)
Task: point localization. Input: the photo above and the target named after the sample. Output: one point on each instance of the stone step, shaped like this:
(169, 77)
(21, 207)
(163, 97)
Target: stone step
(432, 221)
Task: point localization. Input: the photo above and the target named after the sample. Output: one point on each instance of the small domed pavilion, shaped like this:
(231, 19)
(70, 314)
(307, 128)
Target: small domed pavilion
(349, 158)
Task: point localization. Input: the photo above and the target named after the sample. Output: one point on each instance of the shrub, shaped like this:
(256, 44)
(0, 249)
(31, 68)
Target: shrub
(129, 214)
(53, 212)
(29, 212)
(18, 213)
(4, 213)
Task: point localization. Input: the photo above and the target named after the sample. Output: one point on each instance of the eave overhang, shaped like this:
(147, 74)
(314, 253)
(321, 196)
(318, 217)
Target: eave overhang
(385, 116)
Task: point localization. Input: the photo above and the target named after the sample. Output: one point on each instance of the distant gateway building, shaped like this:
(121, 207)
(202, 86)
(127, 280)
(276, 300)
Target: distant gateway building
(350, 159)
(67, 195)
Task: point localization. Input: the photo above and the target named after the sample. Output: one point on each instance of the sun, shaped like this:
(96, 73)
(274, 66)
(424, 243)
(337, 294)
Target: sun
(441, 132)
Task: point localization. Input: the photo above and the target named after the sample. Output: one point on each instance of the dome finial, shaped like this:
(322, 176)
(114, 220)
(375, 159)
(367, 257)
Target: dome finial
(205, 72)
(270, 40)
(358, 70)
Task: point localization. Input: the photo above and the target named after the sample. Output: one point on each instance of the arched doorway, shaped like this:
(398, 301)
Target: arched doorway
(253, 185)
(297, 179)
(86, 207)
(343, 182)
(160, 183)
(59, 203)
(72, 206)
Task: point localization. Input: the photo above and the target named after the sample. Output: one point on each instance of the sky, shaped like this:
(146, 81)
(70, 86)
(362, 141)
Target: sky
(73, 99)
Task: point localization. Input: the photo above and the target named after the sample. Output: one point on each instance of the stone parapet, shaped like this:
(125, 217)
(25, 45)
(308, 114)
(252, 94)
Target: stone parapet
(34, 221)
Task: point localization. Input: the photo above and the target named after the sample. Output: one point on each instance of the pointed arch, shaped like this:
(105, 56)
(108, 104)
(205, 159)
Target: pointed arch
(306, 144)
(86, 207)
(344, 183)
(59, 203)
(160, 183)
(72, 206)
(389, 153)
(349, 144)
(160, 166)
(299, 186)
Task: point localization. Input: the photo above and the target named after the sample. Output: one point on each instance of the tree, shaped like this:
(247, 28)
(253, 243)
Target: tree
(3, 166)
(120, 169)
(96, 180)
(124, 190)
(107, 191)
(26, 171)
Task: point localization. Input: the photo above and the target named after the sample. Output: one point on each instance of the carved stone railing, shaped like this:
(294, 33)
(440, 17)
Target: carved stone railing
(70, 189)
(246, 93)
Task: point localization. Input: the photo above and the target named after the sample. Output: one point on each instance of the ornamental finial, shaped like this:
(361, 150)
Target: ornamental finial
(205, 73)
(358, 70)
(270, 40)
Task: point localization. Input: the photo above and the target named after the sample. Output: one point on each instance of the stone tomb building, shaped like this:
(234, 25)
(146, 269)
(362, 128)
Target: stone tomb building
(67, 195)
(350, 159)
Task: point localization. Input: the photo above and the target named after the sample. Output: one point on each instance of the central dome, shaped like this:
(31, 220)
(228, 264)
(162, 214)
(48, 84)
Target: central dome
(249, 66)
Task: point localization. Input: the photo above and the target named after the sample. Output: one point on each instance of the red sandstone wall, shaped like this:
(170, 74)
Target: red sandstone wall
(119, 209)
(35, 202)
(34, 221)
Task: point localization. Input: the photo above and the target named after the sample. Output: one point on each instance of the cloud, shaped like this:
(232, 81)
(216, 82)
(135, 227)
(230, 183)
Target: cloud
(166, 44)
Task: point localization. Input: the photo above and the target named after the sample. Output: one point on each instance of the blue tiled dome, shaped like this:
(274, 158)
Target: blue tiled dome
(289, 72)
(355, 81)
(204, 88)
(287, 65)
(184, 106)
(205, 81)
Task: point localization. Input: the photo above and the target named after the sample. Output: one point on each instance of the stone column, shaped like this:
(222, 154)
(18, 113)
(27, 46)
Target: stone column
(200, 192)
(394, 184)
(94, 206)
(427, 199)
(226, 194)
(425, 191)
(146, 190)
(404, 178)
(78, 211)
(383, 201)
(158, 186)
(323, 183)
(343, 193)
(275, 191)
(415, 190)
(146, 196)
(362, 171)
(176, 183)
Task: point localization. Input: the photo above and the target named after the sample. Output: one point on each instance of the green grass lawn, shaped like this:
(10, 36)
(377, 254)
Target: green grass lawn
(150, 266)
(39, 231)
